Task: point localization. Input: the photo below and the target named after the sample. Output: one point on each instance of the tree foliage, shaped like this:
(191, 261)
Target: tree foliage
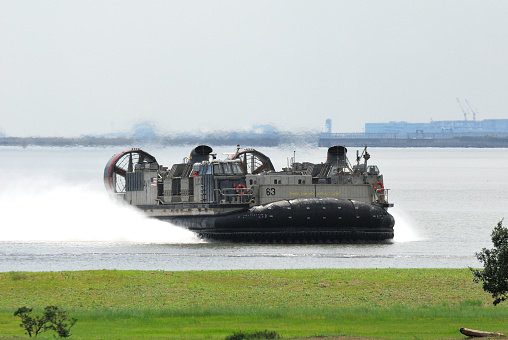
(51, 319)
(59, 321)
(33, 325)
(494, 275)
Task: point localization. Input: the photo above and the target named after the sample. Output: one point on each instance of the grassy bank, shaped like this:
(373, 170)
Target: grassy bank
(385, 303)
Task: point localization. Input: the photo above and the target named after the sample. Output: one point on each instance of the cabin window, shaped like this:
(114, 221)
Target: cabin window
(251, 182)
(299, 181)
(217, 169)
(227, 168)
(195, 168)
(373, 170)
(237, 169)
(205, 169)
(274, 181)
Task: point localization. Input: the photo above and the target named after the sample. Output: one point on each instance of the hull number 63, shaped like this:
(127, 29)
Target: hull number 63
(270, 191)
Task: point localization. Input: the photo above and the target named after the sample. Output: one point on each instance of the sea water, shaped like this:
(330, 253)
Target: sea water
(56, 214)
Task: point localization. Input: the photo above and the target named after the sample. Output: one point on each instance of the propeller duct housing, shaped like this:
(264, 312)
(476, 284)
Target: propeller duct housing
(200, 153)
(336, 155)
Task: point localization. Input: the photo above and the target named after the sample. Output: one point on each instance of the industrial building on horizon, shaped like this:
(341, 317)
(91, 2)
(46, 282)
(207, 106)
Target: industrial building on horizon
(445, 127)
(482, 127)
(456, 133)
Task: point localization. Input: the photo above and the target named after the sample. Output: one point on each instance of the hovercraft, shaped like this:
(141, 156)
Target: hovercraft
(244, 199)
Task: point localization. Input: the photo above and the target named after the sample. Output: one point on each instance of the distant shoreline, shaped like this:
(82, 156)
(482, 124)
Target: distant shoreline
(312, 139)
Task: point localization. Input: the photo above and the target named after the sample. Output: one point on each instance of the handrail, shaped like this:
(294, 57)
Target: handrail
(382, 196)
(234, 195)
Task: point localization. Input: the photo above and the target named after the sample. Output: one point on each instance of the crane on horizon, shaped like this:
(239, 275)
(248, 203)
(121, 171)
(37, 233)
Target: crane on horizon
(472, 111)
(463, 111)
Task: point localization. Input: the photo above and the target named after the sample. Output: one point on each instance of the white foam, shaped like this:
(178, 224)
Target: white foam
(405, 228)
(44, 209)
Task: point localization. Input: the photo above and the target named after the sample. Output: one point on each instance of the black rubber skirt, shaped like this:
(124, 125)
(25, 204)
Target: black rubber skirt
(313, 220)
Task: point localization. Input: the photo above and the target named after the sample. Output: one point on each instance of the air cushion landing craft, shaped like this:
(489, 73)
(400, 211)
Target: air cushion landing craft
(244, 199)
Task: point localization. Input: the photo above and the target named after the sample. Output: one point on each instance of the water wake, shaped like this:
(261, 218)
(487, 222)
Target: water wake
(405, 228)
(44, 211)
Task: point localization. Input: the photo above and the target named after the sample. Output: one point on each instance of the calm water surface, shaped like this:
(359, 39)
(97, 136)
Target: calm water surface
(57, 216)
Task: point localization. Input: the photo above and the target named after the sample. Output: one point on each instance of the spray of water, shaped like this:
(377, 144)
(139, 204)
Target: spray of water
(46, 210)
(405, 228)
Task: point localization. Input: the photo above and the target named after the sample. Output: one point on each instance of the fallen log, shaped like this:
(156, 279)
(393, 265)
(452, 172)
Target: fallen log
(478, 334)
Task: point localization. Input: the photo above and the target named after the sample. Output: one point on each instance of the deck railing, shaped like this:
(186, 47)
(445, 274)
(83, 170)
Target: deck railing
(236, 195)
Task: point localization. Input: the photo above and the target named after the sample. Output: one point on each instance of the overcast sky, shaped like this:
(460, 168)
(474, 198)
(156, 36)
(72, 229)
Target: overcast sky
(89, 67)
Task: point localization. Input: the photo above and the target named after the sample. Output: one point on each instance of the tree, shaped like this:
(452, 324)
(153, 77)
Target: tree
(33, 325)
(494, 275)
(59, 321)
(52, 318)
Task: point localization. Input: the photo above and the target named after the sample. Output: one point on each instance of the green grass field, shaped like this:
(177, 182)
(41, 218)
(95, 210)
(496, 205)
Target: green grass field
(378, 303)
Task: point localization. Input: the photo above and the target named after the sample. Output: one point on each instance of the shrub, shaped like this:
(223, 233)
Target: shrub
(257, 335)
(18, 276)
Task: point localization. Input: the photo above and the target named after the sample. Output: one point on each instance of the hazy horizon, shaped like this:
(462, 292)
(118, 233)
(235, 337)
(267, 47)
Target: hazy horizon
(72, 68)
